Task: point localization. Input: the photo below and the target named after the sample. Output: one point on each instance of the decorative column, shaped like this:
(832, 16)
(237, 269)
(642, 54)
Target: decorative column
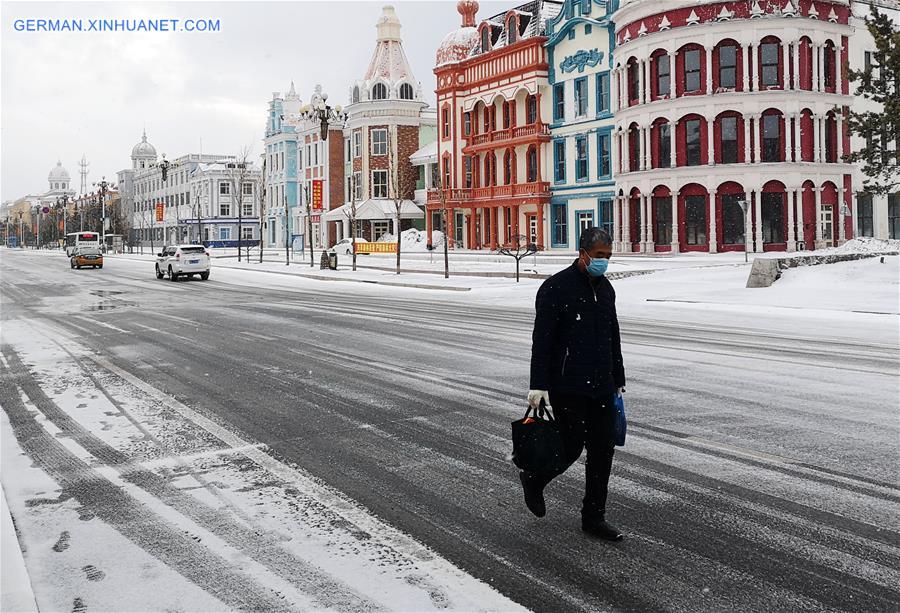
(757, 210)
(821, 134)
(613, 91)
(626, 151)
(789, 197)
(617, 220)
(673, 161)
(710, 150)
(816, 55)
(676, 243)
(797, 45)
(642, 82)
(839, 118)
(614, 161)
(540, 223)
(713, 234)
(672, 56)
(757, 138)
(709, 80)
(642, 227)
(838, 81)
(796, 132)
(818, 191)
(748, 121)
(495, 228)
(626, 223)
(842, 235)
(799, 230)
(746, 51)
(757, 64)
(645, 150)
(786, 66)
(648, 207)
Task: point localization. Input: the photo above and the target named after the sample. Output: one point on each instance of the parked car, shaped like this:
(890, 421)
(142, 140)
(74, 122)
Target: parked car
(86, 256)
(182, 261)
(345, 246)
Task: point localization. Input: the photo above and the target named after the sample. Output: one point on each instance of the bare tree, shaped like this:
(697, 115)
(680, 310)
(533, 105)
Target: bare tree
(519, 247)
(401, 184)
(351, 215)
(262, 206)
(239, 171)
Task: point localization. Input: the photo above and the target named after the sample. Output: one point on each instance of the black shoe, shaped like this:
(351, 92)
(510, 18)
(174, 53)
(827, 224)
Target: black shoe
(534, 495)
(601, 529)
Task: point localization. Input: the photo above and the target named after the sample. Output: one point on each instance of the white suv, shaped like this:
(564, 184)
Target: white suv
(182, 260)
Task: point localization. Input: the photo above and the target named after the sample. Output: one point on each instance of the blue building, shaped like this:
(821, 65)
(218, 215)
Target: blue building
(281, 172)
(580, 44)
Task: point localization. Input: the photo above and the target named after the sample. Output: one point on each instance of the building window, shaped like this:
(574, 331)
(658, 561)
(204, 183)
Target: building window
(633, 81)
(406, 92)
(467, 124)
(355, 97)
(224, 188)
(769, 63)
(224, 234)
(531, 165)
(507, 115)
(379, 142)
(511, 30)
(445, 122)
(224, 209)
(830, 144)
(692, 140)
(605, 220)
(692, 70)
(247, 209)
(771, 138)
(603, 93)
(446, 175)
(357, 144)
(379, 184)
(248, 232)
(581, 97)
(509, 165)
(829, 66)
(728, 146)
(531, 112)
(347, 158)
(864, 217)
(559, 102)
(727, 66)
(732, 219)
(467, 164)
(559, 161)
(248, 190)
(560, 225)
(663, 75)
(581, 158)
(664, 145)
(663, 209)
(894, 215)
(772, 217)
(379, 92)
(358, 186)
(605, 168)
(485, 39)
(695, 220)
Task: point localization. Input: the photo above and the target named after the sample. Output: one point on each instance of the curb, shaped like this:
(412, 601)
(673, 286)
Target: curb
(16, 593)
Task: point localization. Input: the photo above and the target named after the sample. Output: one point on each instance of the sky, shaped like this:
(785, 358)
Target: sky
(68, 94)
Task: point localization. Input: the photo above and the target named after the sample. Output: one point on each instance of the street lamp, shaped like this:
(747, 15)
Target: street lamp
(62, 203)
(103, 185)
(318, 111)
(745, 207)
(21, 230)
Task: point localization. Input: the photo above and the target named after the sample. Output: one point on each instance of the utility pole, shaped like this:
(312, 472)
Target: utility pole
(287, 233)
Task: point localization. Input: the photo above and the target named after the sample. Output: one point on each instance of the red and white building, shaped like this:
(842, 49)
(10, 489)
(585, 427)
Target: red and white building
(721, 102)
(492, 134)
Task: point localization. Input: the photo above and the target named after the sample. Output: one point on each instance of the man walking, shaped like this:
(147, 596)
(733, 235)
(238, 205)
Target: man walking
(576, 360)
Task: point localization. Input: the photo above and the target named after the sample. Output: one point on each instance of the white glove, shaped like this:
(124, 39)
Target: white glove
(535, 397)
(620, 391)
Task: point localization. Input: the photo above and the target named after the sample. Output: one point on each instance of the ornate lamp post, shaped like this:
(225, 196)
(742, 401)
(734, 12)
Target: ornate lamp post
(318, 111)
(21, 230)
(103, 185)
(62, 205)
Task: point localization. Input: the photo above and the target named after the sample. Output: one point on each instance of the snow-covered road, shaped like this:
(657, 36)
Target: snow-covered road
(293, 445)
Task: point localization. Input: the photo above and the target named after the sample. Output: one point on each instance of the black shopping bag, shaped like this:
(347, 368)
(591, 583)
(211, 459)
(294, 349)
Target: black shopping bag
(537, 443)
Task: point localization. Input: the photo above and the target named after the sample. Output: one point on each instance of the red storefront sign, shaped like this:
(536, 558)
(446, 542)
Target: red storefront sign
(160, 211)
(317, 194)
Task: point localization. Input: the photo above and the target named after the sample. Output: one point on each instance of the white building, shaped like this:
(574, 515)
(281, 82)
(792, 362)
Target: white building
(281, 172)
(876, 215)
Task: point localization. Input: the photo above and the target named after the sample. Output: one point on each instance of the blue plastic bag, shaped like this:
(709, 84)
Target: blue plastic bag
(621, 423)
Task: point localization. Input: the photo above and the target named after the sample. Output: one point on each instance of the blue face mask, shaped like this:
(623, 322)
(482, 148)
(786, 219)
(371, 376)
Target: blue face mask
(597, 267)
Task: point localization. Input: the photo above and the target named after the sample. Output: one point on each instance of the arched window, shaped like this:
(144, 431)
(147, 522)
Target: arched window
(379, 92)
(769, 61)
(772, 137)
(485, 39)
(531, 109)
(406, 92)
(356, 94)
(531, 165)
(509, 167)
(512, 30)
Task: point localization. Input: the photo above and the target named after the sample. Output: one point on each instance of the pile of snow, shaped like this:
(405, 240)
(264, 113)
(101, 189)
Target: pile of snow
(415, 240)
(867, 245)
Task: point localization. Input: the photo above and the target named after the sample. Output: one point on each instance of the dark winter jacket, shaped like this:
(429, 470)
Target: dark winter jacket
(576, 347)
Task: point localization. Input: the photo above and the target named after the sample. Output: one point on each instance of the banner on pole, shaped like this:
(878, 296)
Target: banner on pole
(317, 194)
(160, 211)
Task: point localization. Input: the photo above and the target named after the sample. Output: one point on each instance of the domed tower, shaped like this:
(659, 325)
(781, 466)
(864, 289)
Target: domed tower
(59, 178)
(458, 45)
(389, 76)
(143, 155)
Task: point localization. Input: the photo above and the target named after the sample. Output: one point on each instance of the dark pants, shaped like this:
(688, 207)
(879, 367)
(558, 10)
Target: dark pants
(586, 423)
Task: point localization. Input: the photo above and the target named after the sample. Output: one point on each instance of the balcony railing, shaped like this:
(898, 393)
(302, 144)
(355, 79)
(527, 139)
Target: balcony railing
(508, 134)
(481, 194)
